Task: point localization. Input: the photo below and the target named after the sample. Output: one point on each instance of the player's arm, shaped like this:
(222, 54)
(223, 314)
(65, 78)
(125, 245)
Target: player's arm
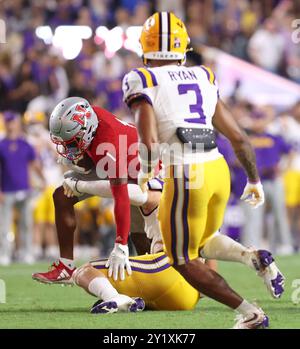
(138, 98)
(148, 148)
(225, 123)
(118, 260)
(121, 209)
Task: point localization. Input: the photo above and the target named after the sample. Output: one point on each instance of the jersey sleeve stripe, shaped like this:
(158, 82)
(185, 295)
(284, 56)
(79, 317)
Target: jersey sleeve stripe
(148, 78)
(154, 81)
(142, 76)
(210, 75)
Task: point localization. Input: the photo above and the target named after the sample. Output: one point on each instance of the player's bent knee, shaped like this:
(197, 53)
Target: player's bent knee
(60, 199)
(80, 274)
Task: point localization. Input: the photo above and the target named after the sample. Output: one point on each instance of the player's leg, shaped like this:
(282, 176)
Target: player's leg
(96, 283)
(183, 238)
(144, 227)
(149, 212)
(152, 279)
(143, 220)
(193, 205)
(221, 247)
(182, 214)
(65, 222)
(137, 232)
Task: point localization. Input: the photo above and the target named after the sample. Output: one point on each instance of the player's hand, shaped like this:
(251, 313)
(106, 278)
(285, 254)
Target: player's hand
(72, 165)
(118, 261)
(253, 194)
(70, 187)
(143, 179)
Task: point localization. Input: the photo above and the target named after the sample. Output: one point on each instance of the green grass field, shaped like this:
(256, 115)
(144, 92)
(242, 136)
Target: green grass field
(33, 305)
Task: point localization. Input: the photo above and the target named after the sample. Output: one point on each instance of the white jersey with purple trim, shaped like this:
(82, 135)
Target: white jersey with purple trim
(181, 97)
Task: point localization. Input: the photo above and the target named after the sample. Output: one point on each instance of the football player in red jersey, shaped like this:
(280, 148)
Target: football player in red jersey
(80, 130)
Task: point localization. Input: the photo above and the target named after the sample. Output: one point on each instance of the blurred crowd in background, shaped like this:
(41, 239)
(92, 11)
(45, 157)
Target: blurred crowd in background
(34, 76)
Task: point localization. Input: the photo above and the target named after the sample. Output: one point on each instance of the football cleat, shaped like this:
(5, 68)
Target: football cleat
(257, 320)
(137, 305)
(104, 307)
(58, 273)
(121, 303)
(267, 269)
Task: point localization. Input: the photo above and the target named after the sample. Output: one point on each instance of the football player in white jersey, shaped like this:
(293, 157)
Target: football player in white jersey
(176, 110)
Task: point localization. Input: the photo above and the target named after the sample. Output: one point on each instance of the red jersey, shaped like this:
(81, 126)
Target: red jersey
(114, 149)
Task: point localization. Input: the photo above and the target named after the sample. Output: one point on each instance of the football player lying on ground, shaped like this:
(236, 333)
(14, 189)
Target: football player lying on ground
(218, 247)
(153, 282)
(94, 136)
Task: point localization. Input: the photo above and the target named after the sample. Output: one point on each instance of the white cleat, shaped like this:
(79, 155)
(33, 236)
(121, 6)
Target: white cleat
(257, 320)
(120, 303)
(267, 269)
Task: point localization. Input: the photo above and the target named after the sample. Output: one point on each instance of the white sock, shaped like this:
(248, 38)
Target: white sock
(102, 188)
(222, 247)
(246, 308)
(68, 262)
(102, 288)
(123, 301)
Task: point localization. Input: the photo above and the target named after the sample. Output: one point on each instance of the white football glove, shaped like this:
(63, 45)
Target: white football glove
(72, 165)
(70, 187)
(118, 261)
(253, 194)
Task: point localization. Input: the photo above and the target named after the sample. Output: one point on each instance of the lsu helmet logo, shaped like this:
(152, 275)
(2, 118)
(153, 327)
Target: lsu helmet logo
(164, 36)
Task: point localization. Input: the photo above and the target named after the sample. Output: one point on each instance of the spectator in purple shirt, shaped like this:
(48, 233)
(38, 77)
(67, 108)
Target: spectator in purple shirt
(17, 157)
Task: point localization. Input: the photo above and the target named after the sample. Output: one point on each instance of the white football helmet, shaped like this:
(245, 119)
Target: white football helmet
(73, 124)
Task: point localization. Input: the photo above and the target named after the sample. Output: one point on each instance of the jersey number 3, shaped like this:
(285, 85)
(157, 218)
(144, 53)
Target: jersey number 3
(194, 108)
